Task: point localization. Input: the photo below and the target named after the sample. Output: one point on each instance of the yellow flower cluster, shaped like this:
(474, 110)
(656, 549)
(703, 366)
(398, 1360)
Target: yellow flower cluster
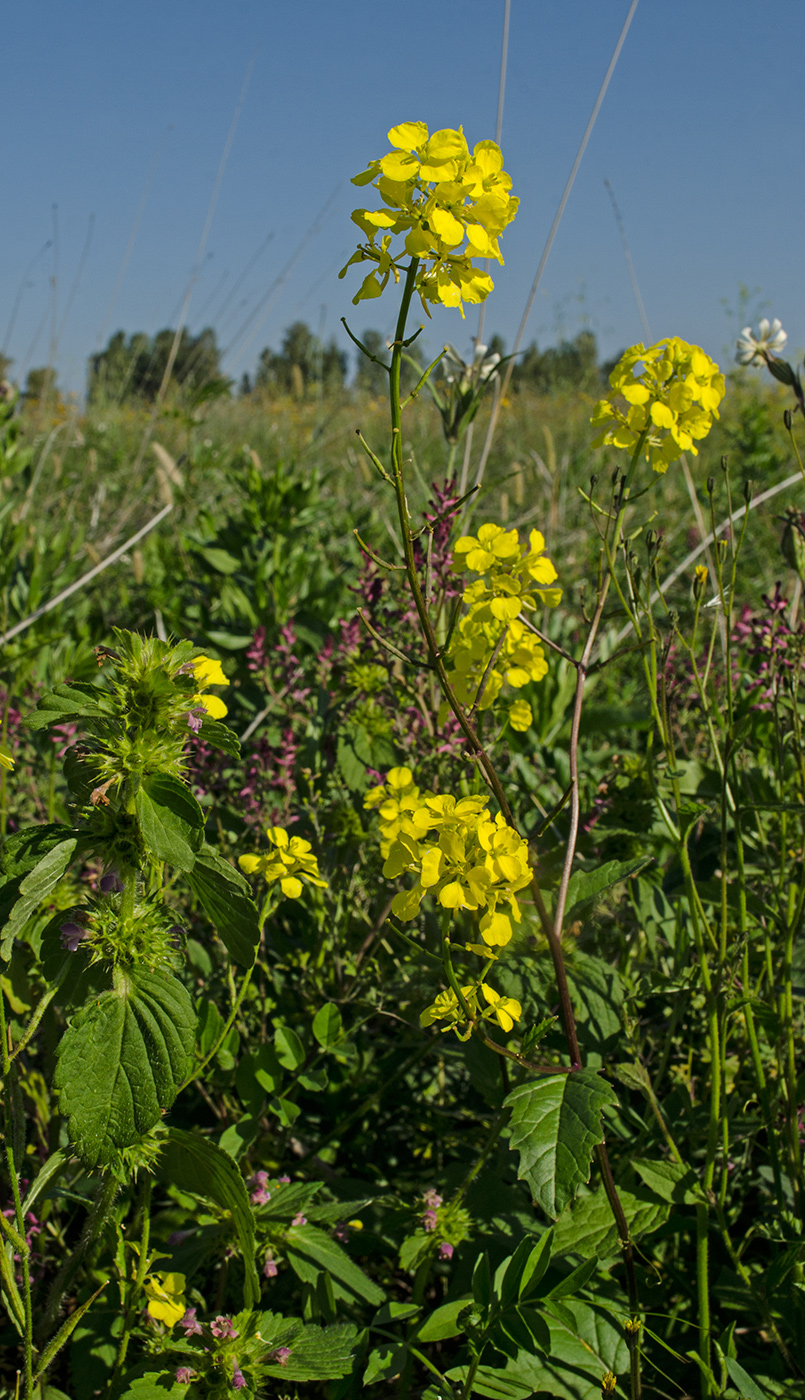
(166, 1300)
(457, 851)
(437, 194)
(446, 1007)
(514, 578)
(673, 400)
(291, 858)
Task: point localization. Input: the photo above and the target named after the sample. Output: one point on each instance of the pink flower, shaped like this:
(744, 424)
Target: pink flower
(429, 1220)
(258, 1184)
(238, 1378)
(299, 1219)
(446, 1250)
(270, 1267)
(222, 1328)
(184, 1375)
(189, 1323)
(70, 935)
(281, 1356)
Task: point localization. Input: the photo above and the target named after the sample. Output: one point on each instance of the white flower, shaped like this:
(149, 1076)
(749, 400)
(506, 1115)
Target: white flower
(770, 339)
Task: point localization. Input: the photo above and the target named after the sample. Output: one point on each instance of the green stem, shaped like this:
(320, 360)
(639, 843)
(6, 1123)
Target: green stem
(134, 1295)
(96, 1220)
(202, 1065)
(11, 1133)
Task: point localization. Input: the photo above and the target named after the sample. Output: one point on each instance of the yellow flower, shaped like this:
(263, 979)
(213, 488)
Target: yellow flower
(291, 858)
(671, 402)
(504, 1009)
(165, 1294)
(6, 761)
(520, 716)
(207, 673)
(446, 1008)
(437, 194)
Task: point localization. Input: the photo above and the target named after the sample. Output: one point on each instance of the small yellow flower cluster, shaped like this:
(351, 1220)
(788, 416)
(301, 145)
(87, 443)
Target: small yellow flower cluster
(446, 1007)
(673, 401)
(207, 673)
(437, 193)
(459, 853)
(514, 578)
(291, 858)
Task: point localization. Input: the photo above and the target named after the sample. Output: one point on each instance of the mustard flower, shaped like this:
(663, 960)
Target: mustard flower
(291, 858)
(506, 1010)
(448, 204)
(165, 1294)
(6, 760)
(465, 860)
(446, 1007)
(398, 802)
(671, 402)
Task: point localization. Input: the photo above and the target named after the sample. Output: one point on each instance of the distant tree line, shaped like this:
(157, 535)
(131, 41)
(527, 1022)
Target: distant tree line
(133, 367)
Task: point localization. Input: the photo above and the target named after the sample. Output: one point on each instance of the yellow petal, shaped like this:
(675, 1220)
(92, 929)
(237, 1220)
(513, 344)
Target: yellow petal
(447, 226)
(408, 136)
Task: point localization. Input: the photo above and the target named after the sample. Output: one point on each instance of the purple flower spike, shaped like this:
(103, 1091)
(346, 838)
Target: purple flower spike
(70, 935)
(222, 1328)
(111, 883)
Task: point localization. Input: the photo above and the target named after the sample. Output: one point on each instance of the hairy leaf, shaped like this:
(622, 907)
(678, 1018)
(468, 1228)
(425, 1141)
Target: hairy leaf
(121, 1061)
(171, 821)
(20, 897)
(195, 1164)
(226, 900)
(556, 1123)
(68, 702)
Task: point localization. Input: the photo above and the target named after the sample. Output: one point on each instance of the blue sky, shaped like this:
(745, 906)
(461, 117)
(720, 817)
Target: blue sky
(111, 108)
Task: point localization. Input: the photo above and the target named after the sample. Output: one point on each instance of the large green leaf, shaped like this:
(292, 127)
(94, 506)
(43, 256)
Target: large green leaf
(226, 900)
(587, 1228)
(673, 1181)
(586, 886)
(310, 1251)
(195, 1164)
(585, 1344)
(171, 821)
(556, 1123)
(317, 1353)
(121, 1061)
(19, 898)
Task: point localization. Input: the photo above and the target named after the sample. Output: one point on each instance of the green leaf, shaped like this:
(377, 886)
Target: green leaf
(171, 821)
(317, 1353)
(673, 1181)
(158, 1385)
(64, 1333)
(220, 737)
(750, 1390)
(288, 1046)
(68, 702)
(497, 1384)
(51, 1170)
(585, 1344)
(238, 1137)
(587, 1228)
(225, 898)
(556, 1123)
(121, 1061)
(195, 1164)
(586, 886)
(306, 1243)
(443, 1322)
(385, 1362)
(25, 897)
(327, 1025)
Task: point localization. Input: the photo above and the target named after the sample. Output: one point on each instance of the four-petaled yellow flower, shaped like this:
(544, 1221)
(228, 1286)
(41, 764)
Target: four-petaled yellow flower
(449, 204)
(671, 402)
(165, 1294)
(446, 1007)
(208, 672)
(291, 858)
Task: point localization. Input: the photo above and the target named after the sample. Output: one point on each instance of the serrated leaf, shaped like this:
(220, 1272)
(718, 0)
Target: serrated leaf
(157, 1385)
(226, 900)
(171, 821)
(220, 737)
(587, 1228)
(586, 886)
(121, 1061)
(556, 1123)
(585, 1344)
(327, 1025)
(672, 1181)
(318, 1353)
(33, 888)
(69, 702)
(307, 1243)
(195, 1164)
